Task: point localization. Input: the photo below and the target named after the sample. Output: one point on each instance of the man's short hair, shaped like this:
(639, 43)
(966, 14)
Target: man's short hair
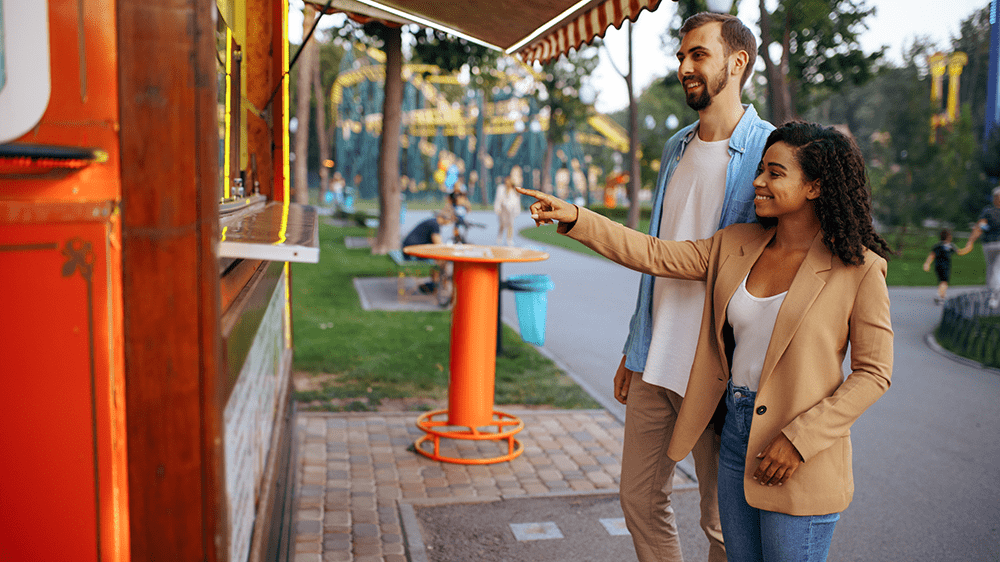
(996, 191)
(735, 37)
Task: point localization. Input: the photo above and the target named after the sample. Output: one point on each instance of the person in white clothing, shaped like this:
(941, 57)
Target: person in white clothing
(506, 205)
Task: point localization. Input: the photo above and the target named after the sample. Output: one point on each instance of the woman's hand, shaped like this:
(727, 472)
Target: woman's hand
(778, 461)
(548, 208)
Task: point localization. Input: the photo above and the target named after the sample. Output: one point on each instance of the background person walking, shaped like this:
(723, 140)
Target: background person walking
(940, 256)
(506, 205)
(989, 228)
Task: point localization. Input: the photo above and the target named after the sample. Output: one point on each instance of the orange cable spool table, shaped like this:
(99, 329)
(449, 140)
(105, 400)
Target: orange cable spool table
(473, 351)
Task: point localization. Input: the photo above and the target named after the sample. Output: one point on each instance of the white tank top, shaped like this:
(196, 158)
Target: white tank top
(752, 319)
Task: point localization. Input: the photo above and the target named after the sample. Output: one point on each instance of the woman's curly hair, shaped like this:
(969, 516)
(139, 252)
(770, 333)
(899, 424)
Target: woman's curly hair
(844, 203)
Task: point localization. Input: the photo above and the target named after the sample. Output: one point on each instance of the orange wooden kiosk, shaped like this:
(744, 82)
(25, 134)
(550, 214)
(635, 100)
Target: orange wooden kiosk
(145, 234)
(473, 352)
(146, 332)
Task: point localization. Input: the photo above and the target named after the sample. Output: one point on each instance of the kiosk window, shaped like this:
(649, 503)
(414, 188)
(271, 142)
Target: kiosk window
(25, 83)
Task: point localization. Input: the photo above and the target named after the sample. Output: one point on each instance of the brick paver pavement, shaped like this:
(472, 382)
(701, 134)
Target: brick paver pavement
(353, 469)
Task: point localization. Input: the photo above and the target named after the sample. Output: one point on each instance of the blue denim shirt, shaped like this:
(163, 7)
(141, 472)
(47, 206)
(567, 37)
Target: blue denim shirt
(746, 147)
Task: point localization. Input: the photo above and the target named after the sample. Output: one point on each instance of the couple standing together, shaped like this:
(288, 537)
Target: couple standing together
(777, 302)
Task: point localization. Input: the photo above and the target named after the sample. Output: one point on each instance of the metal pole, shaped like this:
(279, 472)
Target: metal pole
(992, 118)
(499, 311)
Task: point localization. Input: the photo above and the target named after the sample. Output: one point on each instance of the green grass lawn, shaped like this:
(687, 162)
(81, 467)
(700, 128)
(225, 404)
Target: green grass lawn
(364, 357)
(905, 269)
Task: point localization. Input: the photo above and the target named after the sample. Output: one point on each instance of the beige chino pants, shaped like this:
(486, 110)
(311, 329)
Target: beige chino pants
(648, 473)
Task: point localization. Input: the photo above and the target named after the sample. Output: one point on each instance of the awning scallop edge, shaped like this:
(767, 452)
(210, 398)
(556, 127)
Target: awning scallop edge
(586, 26)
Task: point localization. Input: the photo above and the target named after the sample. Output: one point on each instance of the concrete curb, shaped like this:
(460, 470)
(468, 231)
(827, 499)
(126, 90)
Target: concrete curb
(933, 344)
(415, 546)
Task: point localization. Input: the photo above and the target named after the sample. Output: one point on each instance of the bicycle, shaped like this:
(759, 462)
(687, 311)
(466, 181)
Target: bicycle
(445, 292)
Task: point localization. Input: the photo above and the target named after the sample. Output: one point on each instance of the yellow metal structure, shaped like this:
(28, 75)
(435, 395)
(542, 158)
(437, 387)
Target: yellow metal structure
(500, 117)
(940, 65)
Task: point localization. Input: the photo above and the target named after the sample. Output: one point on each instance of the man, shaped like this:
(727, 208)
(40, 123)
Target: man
(988, 227)
(428, 231)
(704, 184)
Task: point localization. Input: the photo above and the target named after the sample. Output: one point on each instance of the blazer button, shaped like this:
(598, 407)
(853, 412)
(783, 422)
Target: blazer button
(761, 410)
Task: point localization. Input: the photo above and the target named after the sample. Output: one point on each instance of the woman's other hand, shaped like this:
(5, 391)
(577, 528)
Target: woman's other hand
(547, 208)
(778, 461)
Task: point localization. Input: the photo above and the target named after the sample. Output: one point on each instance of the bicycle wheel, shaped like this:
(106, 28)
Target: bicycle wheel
(446, 286)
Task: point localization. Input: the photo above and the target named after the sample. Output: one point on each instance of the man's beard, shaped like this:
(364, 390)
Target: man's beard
(702, 100)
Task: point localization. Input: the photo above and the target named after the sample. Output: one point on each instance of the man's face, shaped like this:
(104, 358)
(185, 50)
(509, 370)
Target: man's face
(704, 68)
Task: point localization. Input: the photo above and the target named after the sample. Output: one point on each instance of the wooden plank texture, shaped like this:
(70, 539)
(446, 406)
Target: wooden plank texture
(170, 278)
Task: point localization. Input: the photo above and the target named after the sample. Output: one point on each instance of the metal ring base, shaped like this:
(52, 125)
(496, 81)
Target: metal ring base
(506, 424)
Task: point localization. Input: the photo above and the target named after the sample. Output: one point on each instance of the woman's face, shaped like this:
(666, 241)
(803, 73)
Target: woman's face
(781, 188)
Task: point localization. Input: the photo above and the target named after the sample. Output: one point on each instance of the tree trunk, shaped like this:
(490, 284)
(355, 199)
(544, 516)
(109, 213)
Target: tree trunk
(633, 144)
(484, 176)
(388, 154)
(322, 132)
(777, 86)
(547, 165)
(301, 174)
(789, 82)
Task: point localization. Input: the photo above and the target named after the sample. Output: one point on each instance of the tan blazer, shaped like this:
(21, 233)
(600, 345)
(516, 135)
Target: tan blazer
(802, 392)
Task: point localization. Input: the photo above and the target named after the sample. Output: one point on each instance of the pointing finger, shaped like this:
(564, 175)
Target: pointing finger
(531, 193)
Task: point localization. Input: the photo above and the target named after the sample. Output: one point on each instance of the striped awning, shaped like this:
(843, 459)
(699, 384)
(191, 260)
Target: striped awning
(536, 30)
(584, 27)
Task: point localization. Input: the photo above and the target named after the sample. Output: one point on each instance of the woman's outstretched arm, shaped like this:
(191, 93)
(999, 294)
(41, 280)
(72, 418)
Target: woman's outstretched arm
(620, 244)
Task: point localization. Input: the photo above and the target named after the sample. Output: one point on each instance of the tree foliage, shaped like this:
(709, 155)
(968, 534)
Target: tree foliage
(452, 53)
(330, 54)
(912, 178)
(819, 51)
(974, 41)
(564, 78)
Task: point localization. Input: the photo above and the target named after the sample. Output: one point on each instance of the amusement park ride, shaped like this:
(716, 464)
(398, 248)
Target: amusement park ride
(436, 129)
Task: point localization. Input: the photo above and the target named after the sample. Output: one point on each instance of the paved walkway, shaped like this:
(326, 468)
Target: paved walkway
(358, 477)
(359, 481)
(363, 495)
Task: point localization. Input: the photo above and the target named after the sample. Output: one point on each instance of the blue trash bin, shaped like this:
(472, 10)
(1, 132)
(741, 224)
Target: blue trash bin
(531, 297)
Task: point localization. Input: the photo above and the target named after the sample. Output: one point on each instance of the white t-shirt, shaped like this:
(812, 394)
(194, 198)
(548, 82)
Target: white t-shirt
(752, 319)
(692, 206)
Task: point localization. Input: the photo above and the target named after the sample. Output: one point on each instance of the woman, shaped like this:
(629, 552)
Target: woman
(784, 299)
(506, 205)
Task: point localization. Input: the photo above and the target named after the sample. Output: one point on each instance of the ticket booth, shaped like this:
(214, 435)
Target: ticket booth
(145, 234)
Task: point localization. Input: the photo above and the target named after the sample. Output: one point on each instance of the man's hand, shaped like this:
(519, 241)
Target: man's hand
(623, 379)
(778, 461)
(548, 208)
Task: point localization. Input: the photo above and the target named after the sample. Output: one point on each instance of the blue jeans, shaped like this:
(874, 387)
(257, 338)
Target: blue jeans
(756, 535)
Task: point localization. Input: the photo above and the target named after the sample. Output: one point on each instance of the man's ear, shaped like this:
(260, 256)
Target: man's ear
(740, 60)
